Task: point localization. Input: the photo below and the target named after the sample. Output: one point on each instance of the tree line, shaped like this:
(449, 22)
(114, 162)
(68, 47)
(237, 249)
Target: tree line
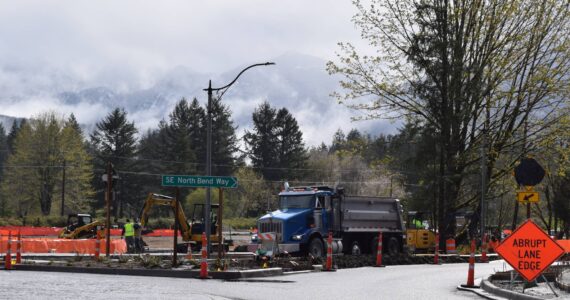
(49, 166)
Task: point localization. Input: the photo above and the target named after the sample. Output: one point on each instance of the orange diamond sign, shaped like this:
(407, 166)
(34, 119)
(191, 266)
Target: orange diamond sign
(529, 250)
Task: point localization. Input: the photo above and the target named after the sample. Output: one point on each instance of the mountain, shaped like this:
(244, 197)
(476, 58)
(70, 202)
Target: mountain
(296, 81)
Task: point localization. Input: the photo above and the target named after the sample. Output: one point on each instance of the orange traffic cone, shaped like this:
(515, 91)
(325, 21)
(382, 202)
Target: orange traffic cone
(204, 263)
(328, 266)
(379, 251)
(471, 272)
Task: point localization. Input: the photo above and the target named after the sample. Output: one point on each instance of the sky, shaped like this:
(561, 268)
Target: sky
(48, 47)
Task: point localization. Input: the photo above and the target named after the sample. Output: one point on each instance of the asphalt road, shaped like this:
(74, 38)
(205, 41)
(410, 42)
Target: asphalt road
(392, 282)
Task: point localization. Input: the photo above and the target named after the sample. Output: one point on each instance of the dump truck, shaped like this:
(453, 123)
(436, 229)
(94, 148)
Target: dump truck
(307, 214)
(81, 226)
(191, 230)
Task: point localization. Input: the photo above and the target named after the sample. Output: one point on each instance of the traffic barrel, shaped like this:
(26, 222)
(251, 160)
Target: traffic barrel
(436, 254)
(8, 258)
(450, 246)
(471, 272)
(379, 251)
(204, 262)
(328, 266)
(484, 258)
(98, 246)
(19, 248)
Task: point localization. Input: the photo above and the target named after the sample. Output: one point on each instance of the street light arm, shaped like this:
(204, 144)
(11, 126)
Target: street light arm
(235, 79)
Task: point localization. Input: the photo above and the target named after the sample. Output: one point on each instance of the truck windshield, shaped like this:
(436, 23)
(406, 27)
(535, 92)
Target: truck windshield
(302, 201)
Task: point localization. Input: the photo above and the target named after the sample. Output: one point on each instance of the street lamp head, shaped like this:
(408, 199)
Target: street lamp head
(269, 63)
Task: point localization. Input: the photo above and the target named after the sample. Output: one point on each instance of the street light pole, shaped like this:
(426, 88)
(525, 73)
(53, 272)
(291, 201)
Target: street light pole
(207, 207)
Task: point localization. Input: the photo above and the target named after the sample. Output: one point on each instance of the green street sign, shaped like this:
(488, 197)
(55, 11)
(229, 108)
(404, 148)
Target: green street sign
(199, 181)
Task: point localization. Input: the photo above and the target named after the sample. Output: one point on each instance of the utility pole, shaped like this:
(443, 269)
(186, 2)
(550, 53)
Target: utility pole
(207, 221)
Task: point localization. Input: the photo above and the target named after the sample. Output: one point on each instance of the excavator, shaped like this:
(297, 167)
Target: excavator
(80, 226)
(191, 231)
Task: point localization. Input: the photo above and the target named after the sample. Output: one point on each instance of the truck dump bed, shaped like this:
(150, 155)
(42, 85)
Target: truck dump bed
(371, 214)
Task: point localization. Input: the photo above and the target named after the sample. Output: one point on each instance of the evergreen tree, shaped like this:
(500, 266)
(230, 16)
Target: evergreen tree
(13, 133)
(276, 145)
(224, 140)
(198, 133)
(339, 142)
(292, 153)
(114, 140)
(179, 139)
(72, 122)
(262, 142)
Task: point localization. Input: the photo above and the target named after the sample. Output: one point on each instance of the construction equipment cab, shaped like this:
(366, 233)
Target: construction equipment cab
(191, 231)
(80, 226)
(419, 239)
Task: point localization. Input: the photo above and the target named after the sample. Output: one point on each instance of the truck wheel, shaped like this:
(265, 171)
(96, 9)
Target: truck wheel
(316, 248)
(393, 246)
(355, 248)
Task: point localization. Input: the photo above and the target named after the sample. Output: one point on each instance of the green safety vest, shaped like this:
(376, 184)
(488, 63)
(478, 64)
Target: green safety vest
(129, 229)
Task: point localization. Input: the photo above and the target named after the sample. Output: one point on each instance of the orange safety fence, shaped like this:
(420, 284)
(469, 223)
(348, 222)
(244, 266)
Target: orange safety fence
(54, 231)
(47, 245)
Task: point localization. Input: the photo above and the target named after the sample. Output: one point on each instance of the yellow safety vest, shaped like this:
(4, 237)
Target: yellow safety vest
(129, 229)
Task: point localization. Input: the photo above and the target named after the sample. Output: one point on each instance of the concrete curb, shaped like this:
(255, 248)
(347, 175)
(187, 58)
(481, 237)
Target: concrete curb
(493, 289)
(225, 275)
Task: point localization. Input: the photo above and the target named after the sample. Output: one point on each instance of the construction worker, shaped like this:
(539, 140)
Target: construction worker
(138, 236)
(129, 234)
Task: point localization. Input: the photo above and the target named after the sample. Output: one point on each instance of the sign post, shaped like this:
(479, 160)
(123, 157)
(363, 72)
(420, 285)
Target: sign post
(529, 250)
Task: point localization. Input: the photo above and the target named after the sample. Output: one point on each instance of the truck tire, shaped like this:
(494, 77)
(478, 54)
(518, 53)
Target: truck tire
(316, 247)
(393, 246)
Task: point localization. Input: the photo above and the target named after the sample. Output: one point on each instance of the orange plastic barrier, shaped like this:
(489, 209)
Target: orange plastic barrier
(565, 244)
(46, 245)
(54, 231)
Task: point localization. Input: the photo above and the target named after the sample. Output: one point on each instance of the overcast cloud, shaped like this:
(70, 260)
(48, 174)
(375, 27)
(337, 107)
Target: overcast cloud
(50, 47)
